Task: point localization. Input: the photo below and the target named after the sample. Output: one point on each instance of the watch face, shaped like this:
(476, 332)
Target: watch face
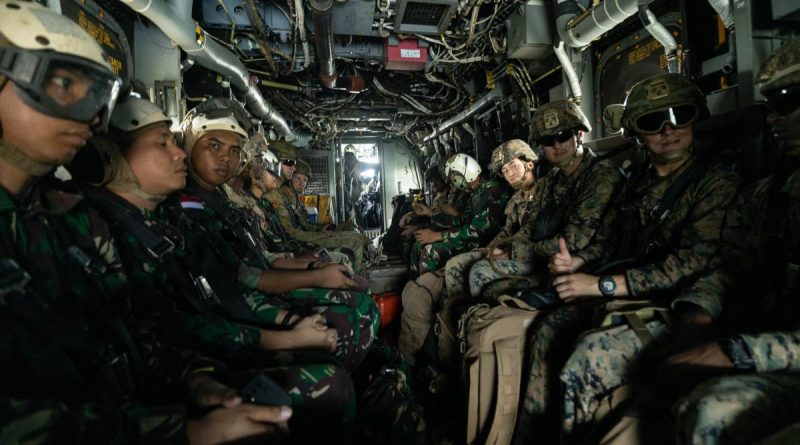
(607, 285)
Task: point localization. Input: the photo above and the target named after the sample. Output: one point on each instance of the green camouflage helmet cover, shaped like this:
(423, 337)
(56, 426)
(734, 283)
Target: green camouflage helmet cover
(558, 116)
(657, 93)
(510, 150)
(781, 69)
(303, 168)
(283, 149)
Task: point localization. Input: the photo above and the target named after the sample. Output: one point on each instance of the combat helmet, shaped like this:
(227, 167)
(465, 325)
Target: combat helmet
(215, 114)
(780, 84)
(461, 169)
(36, 43)
(659, 99)
(284, 150)
(780, 77)
(510, 150)
(102, 161)
(556, 117)
(303, 168)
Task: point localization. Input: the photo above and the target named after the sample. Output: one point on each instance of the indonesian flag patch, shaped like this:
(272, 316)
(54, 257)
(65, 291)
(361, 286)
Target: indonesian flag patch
(192, 202)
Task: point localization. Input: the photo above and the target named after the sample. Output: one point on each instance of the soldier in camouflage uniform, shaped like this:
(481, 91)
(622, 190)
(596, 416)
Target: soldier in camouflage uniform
(661, 252)
(141, 175)
(419, 309)
(77, 366)
(214, 145)
(352, 244)
(480, 222)
(758, 286)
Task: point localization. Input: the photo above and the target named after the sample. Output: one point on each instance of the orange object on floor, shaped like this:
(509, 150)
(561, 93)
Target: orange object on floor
(388, 307)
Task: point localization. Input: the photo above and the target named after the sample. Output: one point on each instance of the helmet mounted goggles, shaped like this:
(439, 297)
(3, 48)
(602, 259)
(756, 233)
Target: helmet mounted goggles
(61, 85)
(679, 116)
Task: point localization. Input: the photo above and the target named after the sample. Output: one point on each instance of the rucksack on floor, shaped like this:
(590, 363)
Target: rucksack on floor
(493, 340)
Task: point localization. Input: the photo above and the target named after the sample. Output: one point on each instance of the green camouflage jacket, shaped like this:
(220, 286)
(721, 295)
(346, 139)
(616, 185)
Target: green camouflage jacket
(484, 217)
(751, 283)
(296, 207)
(62, 377)
(574, 206)
(684, 246)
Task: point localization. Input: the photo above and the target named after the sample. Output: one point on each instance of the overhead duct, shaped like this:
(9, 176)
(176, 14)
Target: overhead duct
(462, 116)
(578, 29)
(660, 33)
(176, 22)
(569, 71)
(323, 42)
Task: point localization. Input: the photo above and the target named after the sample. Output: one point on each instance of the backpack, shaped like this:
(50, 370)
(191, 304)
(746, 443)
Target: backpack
(493, 340)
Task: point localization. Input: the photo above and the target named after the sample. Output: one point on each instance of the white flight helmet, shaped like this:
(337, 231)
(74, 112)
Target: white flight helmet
(461, 169)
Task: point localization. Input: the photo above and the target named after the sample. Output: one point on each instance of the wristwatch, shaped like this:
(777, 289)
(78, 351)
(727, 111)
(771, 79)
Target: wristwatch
(607, 285)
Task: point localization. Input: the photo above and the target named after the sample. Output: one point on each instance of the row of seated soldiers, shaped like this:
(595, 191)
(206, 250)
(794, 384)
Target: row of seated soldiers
(136, 299)
(709, 349)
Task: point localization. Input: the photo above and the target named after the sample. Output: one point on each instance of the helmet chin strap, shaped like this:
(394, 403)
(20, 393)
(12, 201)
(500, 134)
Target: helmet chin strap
(14, 156)
(672, 157)
(520, 183)
(578, 154)
(125, 180)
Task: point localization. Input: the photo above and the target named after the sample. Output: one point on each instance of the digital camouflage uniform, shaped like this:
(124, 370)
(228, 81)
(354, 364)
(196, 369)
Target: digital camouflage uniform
(354, 315)
(65, 375)
(350, 243)
(685, 244)
(263, 216)
(765, 325)
(481, 221)
(459, 268)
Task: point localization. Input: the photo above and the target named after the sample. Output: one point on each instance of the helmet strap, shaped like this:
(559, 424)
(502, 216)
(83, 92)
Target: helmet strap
(671, 158)
(14, 156)
(576, 156)
(124, 180)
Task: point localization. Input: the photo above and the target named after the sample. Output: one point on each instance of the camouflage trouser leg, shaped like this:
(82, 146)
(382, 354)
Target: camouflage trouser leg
(601, 362)
(354, 316)
(349, 243)
(323, 402)
(548, 349)
(421, 298)
(266, 308)
(456, 271)
(481, 275)
(434, 256)
(738, 409)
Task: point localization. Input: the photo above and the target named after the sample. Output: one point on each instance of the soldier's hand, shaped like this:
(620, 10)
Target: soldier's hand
(205, 391)
(563, 262)
(406, 219)
(243, 422)
(449, 209)
(312, 332)
(427, 236)
(335, 277)
(421, 209)
(576, 286)
(681, 372)
(408, 232)
(498, 254)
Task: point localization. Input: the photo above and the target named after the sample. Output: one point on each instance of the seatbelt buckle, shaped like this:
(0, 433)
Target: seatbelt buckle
(85, 261)
(164, 247)
(205, 289)
(12, 278)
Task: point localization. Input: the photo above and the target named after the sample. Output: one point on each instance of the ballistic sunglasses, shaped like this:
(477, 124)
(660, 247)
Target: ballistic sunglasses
(678, 117)
(785, 100)
(551, 139)
(289, 162)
